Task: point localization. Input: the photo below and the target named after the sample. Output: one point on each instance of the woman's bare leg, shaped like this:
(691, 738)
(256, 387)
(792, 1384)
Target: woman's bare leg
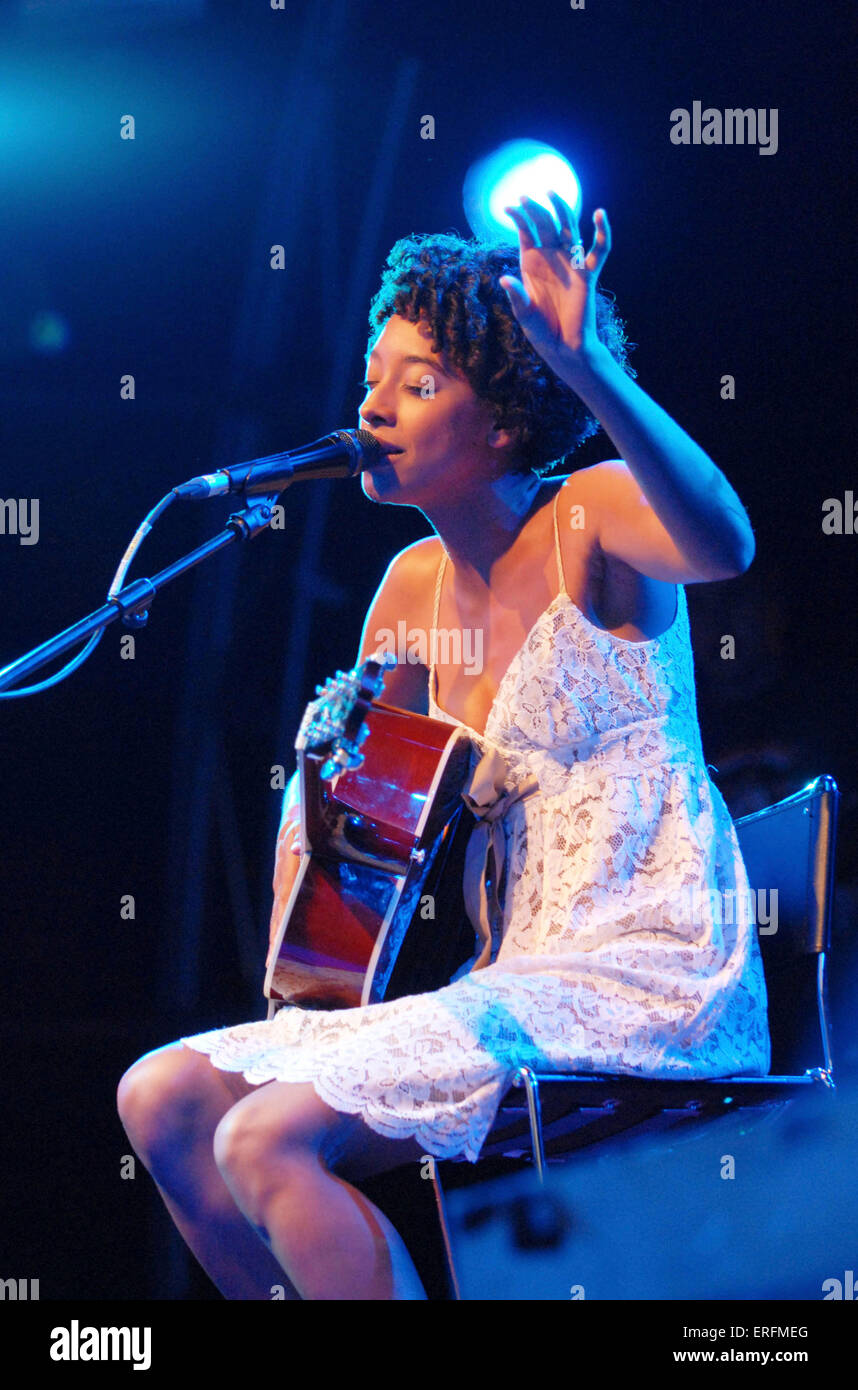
(285, 1156)
(171, 1102)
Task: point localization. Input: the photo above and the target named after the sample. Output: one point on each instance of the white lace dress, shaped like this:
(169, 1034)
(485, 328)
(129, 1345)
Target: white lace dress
(626, 940)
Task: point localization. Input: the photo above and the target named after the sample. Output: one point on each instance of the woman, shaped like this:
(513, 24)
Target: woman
(602, 948)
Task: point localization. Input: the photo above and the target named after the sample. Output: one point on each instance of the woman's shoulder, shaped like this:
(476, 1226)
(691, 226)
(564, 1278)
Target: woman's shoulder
(412, 567)
(597, 484)
(409, 576)
(577, 502)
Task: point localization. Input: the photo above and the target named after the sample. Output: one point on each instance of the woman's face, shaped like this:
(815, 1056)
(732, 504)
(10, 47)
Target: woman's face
(419, 403)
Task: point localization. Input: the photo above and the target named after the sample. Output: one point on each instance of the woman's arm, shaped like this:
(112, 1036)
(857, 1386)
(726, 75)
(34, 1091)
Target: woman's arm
(689, 495)
(693, 526)
(405, 686)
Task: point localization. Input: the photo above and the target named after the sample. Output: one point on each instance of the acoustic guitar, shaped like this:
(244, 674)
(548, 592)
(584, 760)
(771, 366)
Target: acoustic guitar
(376, 909)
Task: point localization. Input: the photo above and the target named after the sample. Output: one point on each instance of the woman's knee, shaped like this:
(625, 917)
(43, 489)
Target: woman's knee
(264, 1134)
(166, 1093)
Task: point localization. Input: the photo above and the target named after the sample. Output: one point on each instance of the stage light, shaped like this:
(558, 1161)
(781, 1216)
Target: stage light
(502, 177)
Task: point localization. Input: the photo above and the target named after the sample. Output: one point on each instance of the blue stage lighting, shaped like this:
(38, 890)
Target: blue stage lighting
(48, 333)
(502, 177)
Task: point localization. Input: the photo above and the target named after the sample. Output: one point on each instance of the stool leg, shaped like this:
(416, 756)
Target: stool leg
(445, 1231)
(531, 1085)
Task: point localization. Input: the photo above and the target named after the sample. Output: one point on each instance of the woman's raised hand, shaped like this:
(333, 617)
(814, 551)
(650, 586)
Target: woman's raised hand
(555, 299)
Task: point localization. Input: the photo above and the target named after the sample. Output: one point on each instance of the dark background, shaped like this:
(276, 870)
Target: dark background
(151, 776)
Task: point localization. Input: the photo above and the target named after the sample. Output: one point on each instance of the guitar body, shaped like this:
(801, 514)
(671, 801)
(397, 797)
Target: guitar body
(376, 911)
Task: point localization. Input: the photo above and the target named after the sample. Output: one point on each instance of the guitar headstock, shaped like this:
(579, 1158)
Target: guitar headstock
(334, 727)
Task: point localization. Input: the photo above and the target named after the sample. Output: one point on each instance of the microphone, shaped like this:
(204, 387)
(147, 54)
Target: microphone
(339, 455)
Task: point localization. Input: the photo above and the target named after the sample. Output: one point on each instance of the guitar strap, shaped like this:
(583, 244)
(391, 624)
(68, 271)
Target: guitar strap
(488, 799)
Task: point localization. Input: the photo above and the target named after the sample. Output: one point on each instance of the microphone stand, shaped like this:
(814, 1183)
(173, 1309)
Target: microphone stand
(132, 603)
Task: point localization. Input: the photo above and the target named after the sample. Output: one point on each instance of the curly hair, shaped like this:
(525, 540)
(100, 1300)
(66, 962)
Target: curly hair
(453, 285)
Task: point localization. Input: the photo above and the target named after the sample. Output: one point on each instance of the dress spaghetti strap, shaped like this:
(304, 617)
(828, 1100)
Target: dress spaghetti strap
(433, 674)
(559, 558)
(560, 575)
(438, 582)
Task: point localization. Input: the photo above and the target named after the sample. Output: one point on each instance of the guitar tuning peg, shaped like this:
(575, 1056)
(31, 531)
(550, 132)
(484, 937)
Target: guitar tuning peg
(339, 762)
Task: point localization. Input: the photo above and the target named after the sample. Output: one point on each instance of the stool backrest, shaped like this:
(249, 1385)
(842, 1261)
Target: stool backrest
(788, 849)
